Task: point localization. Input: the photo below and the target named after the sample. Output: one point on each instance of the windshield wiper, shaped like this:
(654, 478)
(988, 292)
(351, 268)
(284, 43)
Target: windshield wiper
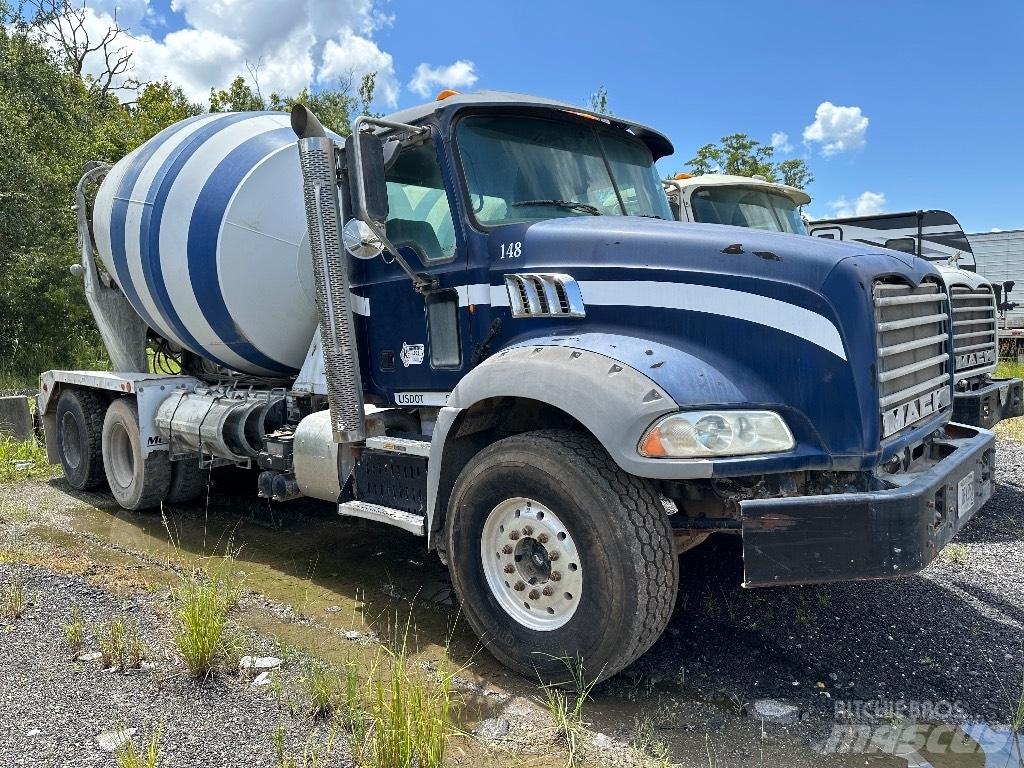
(572, 205)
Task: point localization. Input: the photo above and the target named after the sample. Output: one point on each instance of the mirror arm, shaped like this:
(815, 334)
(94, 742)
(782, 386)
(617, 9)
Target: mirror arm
(422, 283)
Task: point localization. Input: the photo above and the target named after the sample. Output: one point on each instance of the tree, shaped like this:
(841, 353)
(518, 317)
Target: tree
(599, 101)
(795, 173)
(336, 107)
(49, 116)
(739, 155)
(63, 26)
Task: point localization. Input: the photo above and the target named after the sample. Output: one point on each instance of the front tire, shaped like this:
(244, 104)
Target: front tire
(556, 554)
(137, 482)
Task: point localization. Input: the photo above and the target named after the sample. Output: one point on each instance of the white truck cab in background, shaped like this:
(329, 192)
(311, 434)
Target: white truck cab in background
(979, 399)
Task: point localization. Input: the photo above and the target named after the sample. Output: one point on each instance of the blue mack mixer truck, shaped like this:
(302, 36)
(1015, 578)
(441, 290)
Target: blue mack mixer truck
(475, 320)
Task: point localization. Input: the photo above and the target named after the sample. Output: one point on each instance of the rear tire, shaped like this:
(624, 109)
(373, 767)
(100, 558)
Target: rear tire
(188, 480)
(79, 438)
(607, 594)
(136, 482)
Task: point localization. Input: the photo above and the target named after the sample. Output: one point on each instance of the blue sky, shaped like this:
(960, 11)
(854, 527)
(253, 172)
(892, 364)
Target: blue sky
(939, 83)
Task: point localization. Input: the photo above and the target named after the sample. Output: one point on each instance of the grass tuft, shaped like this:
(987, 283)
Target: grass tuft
(129, 756)
(566, 709)
(956, 553)
(120, 645)
(74, 632)
(1017, 718)
(409, 717)
(201, 605)
(12, 599)
(24, 460)
(314, 755)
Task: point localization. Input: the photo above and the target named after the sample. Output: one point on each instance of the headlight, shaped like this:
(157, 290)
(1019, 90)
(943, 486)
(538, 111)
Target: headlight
(699, 434)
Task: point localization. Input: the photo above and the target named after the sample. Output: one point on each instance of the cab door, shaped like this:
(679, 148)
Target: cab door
(416, 344)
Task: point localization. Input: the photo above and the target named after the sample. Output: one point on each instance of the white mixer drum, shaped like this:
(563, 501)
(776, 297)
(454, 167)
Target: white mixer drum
(203, 228)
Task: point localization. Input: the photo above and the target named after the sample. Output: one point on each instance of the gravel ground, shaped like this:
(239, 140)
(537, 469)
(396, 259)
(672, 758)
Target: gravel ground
(950, 638)
(53, 708)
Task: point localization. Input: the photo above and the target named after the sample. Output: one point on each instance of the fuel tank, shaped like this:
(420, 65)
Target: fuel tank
(204, 230)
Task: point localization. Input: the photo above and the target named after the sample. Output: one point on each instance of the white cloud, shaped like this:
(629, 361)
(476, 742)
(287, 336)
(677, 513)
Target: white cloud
(780, 143)
(294, 44)
(428, 78)
(866, 204)
(995, 229)
(352, 55)
(837, 129)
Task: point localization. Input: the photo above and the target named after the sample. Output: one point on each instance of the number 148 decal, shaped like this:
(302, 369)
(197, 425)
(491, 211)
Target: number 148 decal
(511, 250)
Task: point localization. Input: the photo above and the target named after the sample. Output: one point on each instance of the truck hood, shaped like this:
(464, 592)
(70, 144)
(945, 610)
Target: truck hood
(635, 243)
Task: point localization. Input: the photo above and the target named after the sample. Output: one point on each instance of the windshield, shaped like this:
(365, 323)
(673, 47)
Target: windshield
(530, 168)
(747, 207)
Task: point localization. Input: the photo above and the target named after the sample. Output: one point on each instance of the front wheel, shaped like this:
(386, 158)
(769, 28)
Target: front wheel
(559, 556)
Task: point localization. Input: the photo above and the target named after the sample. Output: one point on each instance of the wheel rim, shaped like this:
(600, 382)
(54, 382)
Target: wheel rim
(121, 456)
(531, 564)
(71, 441)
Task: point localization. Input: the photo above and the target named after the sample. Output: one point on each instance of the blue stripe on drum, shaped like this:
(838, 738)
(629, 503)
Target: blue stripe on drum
(204, 231)
(119, 214)
(149, 229)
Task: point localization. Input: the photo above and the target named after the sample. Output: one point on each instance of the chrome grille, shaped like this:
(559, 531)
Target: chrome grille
(911, 332)
(974, 329)
(544, 295)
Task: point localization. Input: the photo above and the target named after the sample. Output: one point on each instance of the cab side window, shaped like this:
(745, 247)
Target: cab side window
(419, 216)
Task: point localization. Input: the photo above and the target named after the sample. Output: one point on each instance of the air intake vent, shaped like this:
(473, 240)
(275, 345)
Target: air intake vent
(911, 330)
(544, 295)
(974, 330)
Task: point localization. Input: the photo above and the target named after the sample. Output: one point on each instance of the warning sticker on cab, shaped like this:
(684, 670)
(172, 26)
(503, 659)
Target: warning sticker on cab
(411, 354)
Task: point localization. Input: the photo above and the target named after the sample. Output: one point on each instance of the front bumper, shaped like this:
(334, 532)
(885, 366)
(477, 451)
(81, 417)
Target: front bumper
(986, 407)
(875, 534)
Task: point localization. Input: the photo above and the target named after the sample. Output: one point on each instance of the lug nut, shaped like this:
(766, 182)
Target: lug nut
(556, 576)
(507, 549)
(528, 530)
(510, 568)
(549, 591)
(514, 535)
(519, 587)
(534, 594)
(543, 538)
(553, 556)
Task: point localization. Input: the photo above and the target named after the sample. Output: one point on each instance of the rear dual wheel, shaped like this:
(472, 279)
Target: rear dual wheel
(137, 481)
(559, 557)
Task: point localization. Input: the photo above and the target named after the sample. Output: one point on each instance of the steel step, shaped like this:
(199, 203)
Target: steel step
(414, 524)
(399, 445)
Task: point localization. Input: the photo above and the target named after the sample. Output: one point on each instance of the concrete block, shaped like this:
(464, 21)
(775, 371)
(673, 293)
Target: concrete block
(15, 417)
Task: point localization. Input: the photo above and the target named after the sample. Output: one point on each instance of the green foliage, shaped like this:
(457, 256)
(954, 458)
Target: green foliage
(739, 155)
(120, 645)
(13, 601)
(335, 107)
(599, 101)
(130, 756)
(201, 606)
(55, 120)
(23, 460)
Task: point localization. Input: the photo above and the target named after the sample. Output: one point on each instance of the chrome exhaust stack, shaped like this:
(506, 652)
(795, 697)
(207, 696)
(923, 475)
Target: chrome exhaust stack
(319, 158)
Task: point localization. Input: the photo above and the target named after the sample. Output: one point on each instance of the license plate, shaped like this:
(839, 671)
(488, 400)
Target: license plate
(965, 495)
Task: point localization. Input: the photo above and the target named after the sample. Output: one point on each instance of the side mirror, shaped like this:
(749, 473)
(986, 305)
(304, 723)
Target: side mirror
(903, 244)
(360, 240)
(1008, 286)
(369, 193)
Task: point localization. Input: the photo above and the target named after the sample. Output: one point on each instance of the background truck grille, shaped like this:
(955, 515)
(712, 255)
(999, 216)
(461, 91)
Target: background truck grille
(911, 330)
(974, 329)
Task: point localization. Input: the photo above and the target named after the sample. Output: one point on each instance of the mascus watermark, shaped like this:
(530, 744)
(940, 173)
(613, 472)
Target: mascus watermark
(911, 740)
